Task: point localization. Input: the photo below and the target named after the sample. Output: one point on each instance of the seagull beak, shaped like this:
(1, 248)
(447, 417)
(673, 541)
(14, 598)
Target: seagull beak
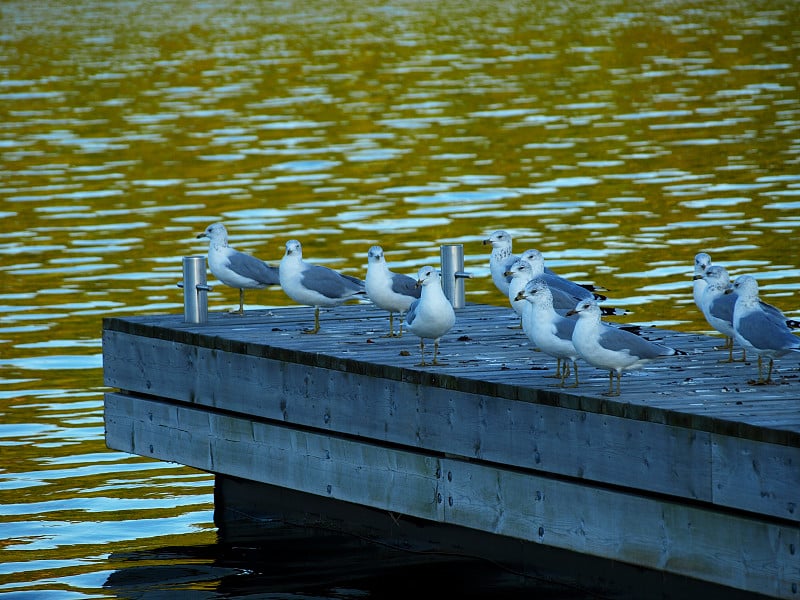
(419, 283)
(520, 296)
(728, 291)
(486, 242)
(201, 235)
(507, 274)
(696, 277)
(571, 312)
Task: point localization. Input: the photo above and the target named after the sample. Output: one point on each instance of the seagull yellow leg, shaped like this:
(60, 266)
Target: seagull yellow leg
(760, 376)
(316, 322)
(559, 371)
(575, 368)
(611, 383)
(391, 326)
(422, 363)
(727, 345)
(241, 301)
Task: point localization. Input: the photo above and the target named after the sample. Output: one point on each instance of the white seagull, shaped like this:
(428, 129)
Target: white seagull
(236, 269)
(388, 290)
(315, 285)
(701, 262)
(611, 348)
(565, 292)
(557, 282)
(432, 315)
(772, 311)
(519, 274)
(501, 259)
(548, 330)
(717, 305)
(759, 330)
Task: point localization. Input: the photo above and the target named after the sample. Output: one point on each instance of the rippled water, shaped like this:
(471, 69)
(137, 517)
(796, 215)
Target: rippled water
(620, 138)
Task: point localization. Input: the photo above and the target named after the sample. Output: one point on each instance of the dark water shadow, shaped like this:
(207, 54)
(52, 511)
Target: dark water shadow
(297, 562)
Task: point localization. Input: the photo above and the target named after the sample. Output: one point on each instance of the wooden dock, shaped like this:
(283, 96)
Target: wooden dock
(692, 472)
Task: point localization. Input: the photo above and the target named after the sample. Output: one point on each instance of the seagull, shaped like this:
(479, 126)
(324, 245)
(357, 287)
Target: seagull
(609, 347)
(578, 291)
(717, 305)
(236, 269)
(758, 329)
(772, 311)
(565, 293)
(501, 259)
(519, 274)
(432, 315)
(315, 285)
(387, 290)
(547, 330)
(701, 262)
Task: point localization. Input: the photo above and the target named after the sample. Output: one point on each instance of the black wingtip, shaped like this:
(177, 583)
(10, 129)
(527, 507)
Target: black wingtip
(610, 311)
(635, 329)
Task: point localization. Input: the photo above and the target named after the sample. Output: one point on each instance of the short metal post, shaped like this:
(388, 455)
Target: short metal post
(453, 274)
(195, 289)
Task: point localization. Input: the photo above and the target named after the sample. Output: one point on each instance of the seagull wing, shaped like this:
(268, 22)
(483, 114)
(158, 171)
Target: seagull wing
(253, 268)
(330, 283)
(405, 285)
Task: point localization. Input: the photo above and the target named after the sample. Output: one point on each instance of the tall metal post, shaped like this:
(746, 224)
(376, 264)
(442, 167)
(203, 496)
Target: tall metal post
(453, 274)
(195, 289)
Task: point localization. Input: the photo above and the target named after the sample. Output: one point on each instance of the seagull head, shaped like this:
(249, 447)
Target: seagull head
(585, 307)
(216, 232)
(375, 254)
(518, 269)
(499, 239)
(717, 276)
(427, 275)
(293, 248)
(701, 262)
(535, 290)
(745, 286)
(532, 256)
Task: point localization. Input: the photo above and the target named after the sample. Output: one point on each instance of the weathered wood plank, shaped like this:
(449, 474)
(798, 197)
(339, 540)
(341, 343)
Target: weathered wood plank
(764, 476)
(301, 460)
(758, 555)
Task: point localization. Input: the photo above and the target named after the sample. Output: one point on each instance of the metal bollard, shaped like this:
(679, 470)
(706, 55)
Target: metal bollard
(453, 274)
(195, 289)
